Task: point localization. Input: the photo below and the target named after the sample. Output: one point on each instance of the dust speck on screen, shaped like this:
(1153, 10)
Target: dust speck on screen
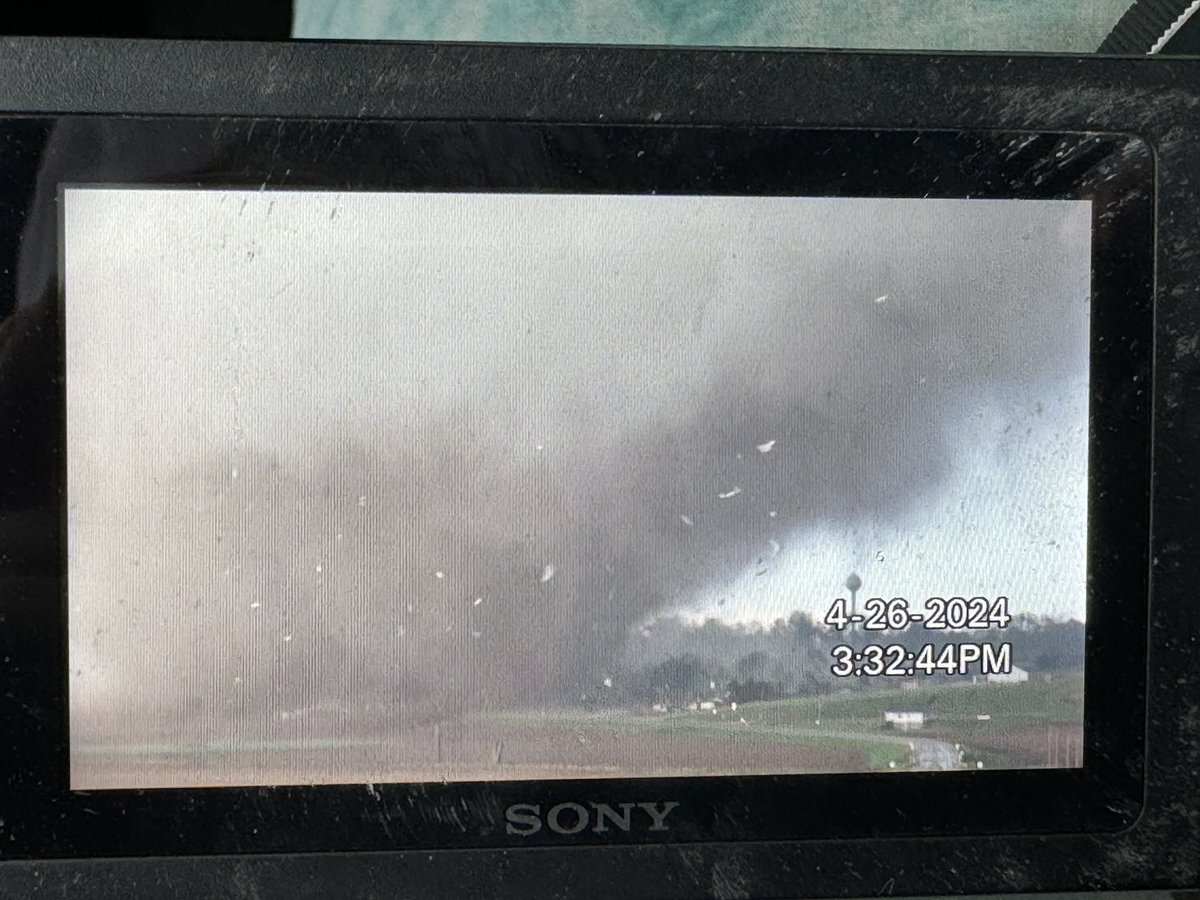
(411, 487)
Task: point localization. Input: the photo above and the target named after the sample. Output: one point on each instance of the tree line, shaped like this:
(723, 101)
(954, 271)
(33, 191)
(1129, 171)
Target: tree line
(673, 662)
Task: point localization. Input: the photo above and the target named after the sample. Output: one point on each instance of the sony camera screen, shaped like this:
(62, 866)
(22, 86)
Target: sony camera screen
(439, 487)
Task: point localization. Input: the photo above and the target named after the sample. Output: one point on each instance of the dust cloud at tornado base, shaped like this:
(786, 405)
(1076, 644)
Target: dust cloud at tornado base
(410, 456)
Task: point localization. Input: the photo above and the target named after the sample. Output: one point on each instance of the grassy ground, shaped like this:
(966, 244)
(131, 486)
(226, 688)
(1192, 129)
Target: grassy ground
(1015, 735)
(1031, 724)
(1035, 700)
(880, 751)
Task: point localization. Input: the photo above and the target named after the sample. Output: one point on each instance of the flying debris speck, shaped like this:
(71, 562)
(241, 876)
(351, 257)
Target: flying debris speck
(439, 574)
(881, 299)
(547, 573)
(286, 638)
(607, 682)
(319, 570)
(478, 600)
(362, 500)
(766, 446)
(255, 605)
(731, 493)
(774, 547)
(235, 474)
(686, 520)
(772, 514)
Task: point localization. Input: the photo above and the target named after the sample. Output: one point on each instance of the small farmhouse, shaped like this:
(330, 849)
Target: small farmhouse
(904, 720)
(1016, 675)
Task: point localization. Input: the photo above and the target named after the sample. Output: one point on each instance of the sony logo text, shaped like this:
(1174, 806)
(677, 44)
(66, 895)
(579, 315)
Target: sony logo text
(526, 819)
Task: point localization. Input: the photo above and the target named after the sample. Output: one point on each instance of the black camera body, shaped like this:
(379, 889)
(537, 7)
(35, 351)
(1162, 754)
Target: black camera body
(1123, 812)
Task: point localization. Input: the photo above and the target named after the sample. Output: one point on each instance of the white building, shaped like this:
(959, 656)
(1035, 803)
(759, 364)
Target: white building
(905, 721)
(1016, 675)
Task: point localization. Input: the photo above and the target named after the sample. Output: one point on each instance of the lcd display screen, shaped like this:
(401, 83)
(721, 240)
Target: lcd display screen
(422, 487)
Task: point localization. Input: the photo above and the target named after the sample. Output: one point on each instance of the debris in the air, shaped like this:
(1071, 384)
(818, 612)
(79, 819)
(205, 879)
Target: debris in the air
(881, 299)
(732, 493)
(766, 447)
(686, 520)
(547, 573)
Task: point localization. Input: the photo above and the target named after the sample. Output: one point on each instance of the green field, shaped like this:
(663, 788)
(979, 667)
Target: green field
(1014, 735)
(1033, 724)
(1026, 702)
(882, 751)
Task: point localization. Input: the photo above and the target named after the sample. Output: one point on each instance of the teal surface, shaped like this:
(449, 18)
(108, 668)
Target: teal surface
(1070, 26)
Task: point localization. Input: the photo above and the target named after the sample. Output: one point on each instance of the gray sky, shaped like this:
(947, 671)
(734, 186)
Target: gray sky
(556, 383)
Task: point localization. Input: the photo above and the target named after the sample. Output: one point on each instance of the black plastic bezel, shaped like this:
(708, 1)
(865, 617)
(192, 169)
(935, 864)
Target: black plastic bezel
(1115, 172)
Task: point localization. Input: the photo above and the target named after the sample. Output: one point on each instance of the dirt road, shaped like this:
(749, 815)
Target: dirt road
(935, 756)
